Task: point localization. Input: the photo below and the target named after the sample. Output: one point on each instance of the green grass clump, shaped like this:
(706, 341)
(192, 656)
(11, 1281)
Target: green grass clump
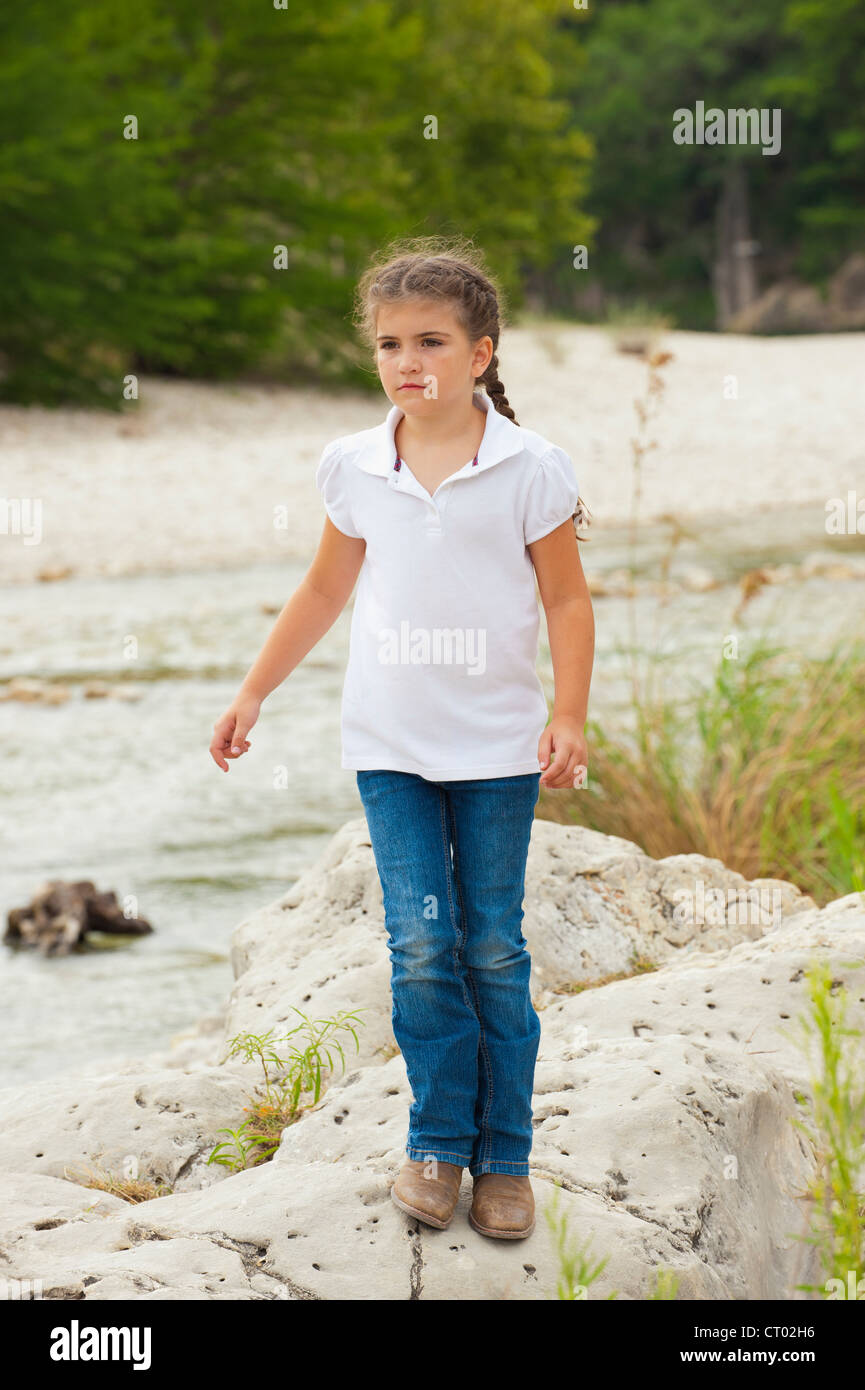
(834, 1124)
(764, 770)
(277, 1100)
(577, 1273)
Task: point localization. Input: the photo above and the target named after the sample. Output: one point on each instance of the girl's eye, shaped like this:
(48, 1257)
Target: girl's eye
(433, 342)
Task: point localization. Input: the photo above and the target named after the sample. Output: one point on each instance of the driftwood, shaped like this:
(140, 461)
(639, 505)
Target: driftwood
(61, 914)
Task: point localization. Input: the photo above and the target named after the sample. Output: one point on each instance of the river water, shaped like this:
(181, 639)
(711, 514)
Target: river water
(126, 794)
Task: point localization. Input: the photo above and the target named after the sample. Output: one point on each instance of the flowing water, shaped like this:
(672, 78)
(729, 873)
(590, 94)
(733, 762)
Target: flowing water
(126, 794)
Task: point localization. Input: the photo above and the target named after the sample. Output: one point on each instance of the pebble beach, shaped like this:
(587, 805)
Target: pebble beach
(196, 474)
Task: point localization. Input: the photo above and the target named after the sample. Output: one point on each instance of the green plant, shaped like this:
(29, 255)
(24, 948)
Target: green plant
(845, 838)
(242, 1145)
(763, 769)
(276, 1101)
(834, 1124)
(666, 1284)
(576, 1272)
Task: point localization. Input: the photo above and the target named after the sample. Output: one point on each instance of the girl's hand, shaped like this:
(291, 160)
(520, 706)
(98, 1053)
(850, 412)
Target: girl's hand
(230, 730)
(564, 739)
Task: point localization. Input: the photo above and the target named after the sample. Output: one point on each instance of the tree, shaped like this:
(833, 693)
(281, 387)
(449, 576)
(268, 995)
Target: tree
(257, 128)
(676, 220)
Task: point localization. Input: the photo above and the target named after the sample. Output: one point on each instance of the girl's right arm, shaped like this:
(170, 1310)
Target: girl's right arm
(312, 609)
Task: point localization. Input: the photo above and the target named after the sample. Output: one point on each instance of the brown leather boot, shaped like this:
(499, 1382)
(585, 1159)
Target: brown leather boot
(428, 1190)
(502, 1206)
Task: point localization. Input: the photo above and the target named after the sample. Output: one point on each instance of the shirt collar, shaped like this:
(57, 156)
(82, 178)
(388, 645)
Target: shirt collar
(501, 439)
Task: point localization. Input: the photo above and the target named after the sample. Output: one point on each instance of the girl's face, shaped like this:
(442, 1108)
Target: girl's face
(424, 358)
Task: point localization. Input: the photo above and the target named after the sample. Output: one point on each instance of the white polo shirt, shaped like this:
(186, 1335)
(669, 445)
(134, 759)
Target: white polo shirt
(441, 678)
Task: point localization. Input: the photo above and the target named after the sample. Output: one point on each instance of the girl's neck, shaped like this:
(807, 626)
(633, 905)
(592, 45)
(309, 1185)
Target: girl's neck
(441, 432)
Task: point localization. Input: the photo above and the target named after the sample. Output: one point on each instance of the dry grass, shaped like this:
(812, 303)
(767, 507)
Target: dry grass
(764, 771)
(641, 966)
(130, 1189)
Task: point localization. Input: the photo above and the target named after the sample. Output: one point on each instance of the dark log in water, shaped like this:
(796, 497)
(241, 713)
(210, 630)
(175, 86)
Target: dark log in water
(60, 915)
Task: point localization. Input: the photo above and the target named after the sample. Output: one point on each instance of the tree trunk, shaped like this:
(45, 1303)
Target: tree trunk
(734, 275)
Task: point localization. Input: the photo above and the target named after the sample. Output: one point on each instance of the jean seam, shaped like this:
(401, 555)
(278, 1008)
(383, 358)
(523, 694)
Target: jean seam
(503, 1162)
(499, 1163)
(450, 879)
(435, 1152)
(453, 914)
(485, 1135)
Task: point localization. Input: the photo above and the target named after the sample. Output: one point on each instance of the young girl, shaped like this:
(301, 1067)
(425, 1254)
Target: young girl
(448, 510)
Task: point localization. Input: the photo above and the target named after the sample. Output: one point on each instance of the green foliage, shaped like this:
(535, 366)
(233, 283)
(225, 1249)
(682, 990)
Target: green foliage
(824, 84)
(665, 1286)
(834, 1124)
(577, 1273)
(242, 1149)
(764, 768)
(285, 1079)
(657, 201)
(257, 128)
(157, 253)
(309, 129)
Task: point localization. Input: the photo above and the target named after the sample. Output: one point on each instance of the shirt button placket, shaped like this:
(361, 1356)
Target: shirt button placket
(436, 527)
(434, 520)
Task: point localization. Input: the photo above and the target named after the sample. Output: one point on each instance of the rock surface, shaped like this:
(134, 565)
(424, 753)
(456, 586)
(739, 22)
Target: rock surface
(794, 307)
(664, 1103)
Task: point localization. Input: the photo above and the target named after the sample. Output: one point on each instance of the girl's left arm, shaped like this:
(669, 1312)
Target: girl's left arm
(571, 628)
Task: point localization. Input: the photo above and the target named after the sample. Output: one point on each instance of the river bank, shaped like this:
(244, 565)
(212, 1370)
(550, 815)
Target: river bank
(195, 474)
(164, 522)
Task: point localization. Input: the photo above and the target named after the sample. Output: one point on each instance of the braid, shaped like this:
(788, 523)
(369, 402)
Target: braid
(496, 391)
(484, 300)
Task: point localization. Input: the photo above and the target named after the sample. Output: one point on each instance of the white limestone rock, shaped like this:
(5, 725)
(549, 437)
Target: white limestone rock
(664, 1106)
(141, 1121)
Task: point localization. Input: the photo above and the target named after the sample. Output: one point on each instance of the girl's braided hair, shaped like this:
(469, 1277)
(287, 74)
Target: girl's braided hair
(449, 269)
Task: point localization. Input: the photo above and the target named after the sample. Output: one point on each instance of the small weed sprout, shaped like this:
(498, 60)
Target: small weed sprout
(277, 1099)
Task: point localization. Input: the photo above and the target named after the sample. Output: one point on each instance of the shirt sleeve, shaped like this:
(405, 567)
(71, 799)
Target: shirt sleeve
(330, 479)
(552, 496)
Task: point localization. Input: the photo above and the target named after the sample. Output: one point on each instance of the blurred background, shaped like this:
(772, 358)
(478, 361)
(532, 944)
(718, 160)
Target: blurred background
(188, 197)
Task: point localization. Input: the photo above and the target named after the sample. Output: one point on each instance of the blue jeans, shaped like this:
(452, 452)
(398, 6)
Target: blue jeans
(451, 857)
